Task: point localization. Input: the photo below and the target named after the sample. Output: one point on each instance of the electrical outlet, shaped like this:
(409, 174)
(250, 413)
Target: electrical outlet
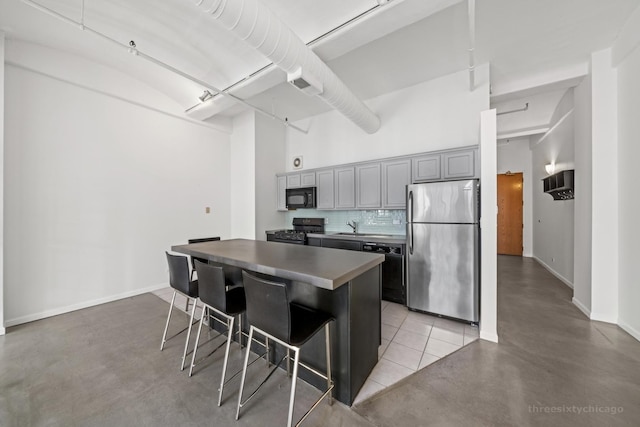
(326, 221)
(207, 210)
(396, 222)
(553, 259)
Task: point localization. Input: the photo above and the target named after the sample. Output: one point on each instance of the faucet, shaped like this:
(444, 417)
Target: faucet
(354, 226)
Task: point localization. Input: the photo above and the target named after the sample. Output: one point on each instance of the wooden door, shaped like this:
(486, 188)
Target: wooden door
(510, 214)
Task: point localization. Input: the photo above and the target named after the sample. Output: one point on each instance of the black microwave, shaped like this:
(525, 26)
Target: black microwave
(301, 198)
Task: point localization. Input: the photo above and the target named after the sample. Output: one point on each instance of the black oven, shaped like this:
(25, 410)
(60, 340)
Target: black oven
(301, 198)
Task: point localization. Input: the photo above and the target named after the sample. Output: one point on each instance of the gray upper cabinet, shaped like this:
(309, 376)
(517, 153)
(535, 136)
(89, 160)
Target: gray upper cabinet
(368, 192)
(345, 188)
(325, 191)
(380, 184)
(458, 164)
(282, 193)
(308, 179)
(293, 181)
(426, 168)
(396, 174)
(297, 180)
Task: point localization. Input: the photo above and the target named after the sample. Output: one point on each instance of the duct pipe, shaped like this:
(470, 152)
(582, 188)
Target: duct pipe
(252, 22)
(472, 43)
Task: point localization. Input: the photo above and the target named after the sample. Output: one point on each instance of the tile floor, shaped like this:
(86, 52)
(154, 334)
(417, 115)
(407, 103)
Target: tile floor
(410, 341)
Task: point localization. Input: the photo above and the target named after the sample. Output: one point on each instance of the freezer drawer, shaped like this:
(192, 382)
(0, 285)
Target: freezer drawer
(442, 265)
(443, 202)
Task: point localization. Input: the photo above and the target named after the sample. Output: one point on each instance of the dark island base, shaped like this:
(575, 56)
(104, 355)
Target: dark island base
(355, 334)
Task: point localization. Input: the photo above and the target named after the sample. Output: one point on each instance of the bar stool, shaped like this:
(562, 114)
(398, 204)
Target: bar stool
(179, 281)
(227, 304)
(271, 314)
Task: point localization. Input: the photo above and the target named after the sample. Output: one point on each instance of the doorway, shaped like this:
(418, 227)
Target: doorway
(510, 222)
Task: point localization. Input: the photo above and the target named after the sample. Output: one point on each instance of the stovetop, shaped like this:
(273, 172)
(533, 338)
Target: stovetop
(301, 226)
(290, 235)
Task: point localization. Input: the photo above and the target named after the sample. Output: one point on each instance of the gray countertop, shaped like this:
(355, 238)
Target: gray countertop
(325, 268)
(364, 237)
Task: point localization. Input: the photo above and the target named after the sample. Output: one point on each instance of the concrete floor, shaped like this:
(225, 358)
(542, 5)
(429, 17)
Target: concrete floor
(553, 367)
(102, 367)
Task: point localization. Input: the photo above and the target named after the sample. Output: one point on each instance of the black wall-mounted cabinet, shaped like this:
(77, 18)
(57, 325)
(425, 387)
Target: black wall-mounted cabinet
(559, 185)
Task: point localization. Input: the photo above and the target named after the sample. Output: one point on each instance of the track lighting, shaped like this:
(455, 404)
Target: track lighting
(205, 96)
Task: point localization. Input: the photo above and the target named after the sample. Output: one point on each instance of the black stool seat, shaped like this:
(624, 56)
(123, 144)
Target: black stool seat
(305, 322)
(236, 301)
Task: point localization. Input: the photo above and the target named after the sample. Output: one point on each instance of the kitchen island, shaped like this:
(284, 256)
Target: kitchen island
(345, 284)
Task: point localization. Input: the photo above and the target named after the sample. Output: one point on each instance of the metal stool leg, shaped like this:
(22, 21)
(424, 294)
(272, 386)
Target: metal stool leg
(244, 371)
(327, 335)
(195, 347)
(226, 357)
(296, 359)
(166, 326)
(186, 344)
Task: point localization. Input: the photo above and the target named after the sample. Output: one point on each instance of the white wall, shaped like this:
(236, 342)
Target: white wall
(604, 243)
(96, 189)
(438, 114)
(2, 182)
(515, 156)
(270, 159)
(629, 197)
(553, 220)
(242, 176)
(489, 228)
(582, 204)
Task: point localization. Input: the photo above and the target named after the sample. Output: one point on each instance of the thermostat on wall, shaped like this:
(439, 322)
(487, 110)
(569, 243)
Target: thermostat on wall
(297, 162)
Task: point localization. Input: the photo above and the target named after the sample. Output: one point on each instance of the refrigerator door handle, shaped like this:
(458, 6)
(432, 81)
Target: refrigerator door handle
(410, 221)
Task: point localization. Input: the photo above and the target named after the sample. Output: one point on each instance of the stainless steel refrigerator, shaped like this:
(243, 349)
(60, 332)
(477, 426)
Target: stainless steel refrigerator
(443, 257)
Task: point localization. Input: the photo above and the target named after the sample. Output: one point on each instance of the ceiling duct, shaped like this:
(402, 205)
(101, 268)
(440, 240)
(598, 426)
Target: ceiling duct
(254, 23)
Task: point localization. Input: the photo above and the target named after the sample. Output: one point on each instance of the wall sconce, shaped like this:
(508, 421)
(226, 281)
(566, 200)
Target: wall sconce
(205, 95)
(550, 168)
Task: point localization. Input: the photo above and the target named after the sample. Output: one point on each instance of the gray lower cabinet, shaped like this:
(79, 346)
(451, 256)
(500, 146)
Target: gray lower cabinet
(396, 175)
(368, 192)
(426, 168)
(458, 164)
(282, 193)
(345, 187)
(325, 189)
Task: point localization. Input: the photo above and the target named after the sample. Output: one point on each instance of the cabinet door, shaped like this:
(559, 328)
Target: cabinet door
(293, 181)
(282, 193)
(458, 164)
(426, 168)
(325, 193)
(308, 179)
(396, 175)
(368, 193)
(345, 187)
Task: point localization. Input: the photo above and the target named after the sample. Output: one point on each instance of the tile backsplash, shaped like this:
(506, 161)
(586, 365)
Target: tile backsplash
(386, 221)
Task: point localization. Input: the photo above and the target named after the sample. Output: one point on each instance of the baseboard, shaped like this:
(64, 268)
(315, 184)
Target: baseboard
(583, 308)
(629, 329)
(489, 336)
(62, 310)
(555, 273)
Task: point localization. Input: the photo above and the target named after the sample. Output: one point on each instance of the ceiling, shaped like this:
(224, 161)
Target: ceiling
(373, 46)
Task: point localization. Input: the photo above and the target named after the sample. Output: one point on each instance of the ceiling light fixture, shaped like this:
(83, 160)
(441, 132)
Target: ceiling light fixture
(205, 95)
